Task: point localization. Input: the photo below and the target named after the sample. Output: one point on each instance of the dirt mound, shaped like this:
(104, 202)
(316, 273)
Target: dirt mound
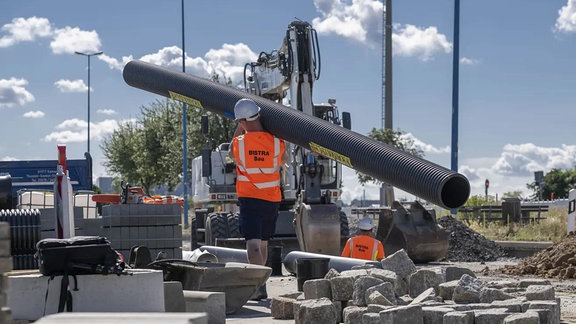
(466, 245)
(557, 261)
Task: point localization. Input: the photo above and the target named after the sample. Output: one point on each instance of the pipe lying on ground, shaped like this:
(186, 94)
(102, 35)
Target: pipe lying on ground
(422, 178)
(336, 262)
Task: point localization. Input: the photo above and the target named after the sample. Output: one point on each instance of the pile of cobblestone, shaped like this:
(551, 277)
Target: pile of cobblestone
(400, 292)
(557, 261)
(466, 245)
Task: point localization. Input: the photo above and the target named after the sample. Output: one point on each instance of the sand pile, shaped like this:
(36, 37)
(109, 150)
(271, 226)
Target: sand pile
(557, 261)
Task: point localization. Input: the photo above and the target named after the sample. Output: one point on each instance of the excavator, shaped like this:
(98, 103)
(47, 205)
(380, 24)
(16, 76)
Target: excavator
(320, 142)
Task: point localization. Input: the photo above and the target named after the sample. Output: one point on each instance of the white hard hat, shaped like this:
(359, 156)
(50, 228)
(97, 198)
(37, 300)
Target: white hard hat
(246, 109)
(366, 224)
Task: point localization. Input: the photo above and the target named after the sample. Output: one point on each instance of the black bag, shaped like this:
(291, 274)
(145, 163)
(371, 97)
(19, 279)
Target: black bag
(76, 256)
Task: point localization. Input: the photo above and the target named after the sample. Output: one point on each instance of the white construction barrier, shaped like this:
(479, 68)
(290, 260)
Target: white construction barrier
(571, 210)
(31, 295)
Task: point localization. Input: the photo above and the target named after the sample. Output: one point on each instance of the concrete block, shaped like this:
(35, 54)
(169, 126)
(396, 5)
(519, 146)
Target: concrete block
(282, 307)
(342, 288)
(353, 314)
(467, 290)
(548, 310)
(540, 292)
(435, 315)
(466, 317)
(174, 297)
(490, 316)
(488, 295)
(370, 318)
(31, 295)
(210, 302)
(400, 263)
(423, 279)
(317, 288)
(529, 317)
(455, 273)
(403, 314)
(315, 311)
(124, 318)
(360, 286)
(446, 289)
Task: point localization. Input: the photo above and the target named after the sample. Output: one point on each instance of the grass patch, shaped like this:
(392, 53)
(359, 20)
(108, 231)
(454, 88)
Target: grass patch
(551, 228)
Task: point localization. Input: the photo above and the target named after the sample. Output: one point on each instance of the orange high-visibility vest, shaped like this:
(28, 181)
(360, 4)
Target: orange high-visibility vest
(259, 156)
(363, 247)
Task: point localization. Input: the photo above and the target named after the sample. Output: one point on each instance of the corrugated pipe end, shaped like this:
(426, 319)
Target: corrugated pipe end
(455, 191)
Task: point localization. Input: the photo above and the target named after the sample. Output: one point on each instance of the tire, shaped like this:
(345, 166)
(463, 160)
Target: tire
(216, 227)
(344, 229)
(234, 225)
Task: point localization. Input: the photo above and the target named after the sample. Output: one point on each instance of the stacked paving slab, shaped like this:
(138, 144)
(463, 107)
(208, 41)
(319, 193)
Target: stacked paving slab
(401, 293)
(5, 266)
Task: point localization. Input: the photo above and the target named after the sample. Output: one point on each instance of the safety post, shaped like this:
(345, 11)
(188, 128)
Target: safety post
(571, 209)
(63, 202)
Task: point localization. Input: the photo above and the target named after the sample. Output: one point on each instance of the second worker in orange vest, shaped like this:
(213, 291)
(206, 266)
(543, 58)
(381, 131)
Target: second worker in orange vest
(364, 246)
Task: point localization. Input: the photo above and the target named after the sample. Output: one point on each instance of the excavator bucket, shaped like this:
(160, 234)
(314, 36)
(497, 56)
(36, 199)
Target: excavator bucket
(317, 228)
(412, 227)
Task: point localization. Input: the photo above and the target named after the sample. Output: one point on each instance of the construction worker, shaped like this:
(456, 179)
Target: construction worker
(364, 246)
(258, 156)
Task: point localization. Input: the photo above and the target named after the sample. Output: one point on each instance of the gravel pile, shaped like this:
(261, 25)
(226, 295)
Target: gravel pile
(466, 245)
(557, 261)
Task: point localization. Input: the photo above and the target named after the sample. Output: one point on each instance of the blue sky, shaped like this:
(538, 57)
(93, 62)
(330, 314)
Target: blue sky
(517, 73)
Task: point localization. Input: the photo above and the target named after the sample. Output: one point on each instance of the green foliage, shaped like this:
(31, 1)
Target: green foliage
(395, 139)
(480, 200)
(557, 184)
(149, 151)
(513, 194)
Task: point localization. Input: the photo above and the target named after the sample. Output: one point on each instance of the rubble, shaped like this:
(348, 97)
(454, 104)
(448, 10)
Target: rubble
(390, 295)
(466, 245)
(557, 261)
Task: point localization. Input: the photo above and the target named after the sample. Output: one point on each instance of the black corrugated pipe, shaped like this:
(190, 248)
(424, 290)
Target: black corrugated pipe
(417, 176)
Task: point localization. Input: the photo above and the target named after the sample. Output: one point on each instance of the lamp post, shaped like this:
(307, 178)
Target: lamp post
(89, 55)
(184, 131)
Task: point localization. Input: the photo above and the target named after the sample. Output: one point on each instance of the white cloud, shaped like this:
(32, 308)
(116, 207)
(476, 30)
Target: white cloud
(468, 61)
(9, 158)
(33, 114)
(566, 21)
(524, 159)
(425, 147)
(106, 111)
(409, 40)
(226, 61)
(25, 30)
(13, 92)
(359, 21)
(76, 130)
(71, 85)
(70, 39)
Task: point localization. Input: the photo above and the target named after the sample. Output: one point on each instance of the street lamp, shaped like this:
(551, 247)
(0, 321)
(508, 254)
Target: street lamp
(89, 55)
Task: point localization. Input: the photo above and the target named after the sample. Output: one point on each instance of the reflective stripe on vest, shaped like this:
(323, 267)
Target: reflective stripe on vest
(260, 177)
(374, 249)
(242, 154)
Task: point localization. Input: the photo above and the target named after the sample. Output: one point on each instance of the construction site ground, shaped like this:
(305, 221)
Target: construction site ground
(259, 311)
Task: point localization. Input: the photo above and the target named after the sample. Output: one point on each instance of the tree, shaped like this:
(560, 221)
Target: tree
(394, 138)
(557, 183)
(513, 194)
(149, 151)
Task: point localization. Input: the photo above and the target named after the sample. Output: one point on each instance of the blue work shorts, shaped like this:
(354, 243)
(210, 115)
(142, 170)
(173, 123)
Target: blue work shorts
(258, 218)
